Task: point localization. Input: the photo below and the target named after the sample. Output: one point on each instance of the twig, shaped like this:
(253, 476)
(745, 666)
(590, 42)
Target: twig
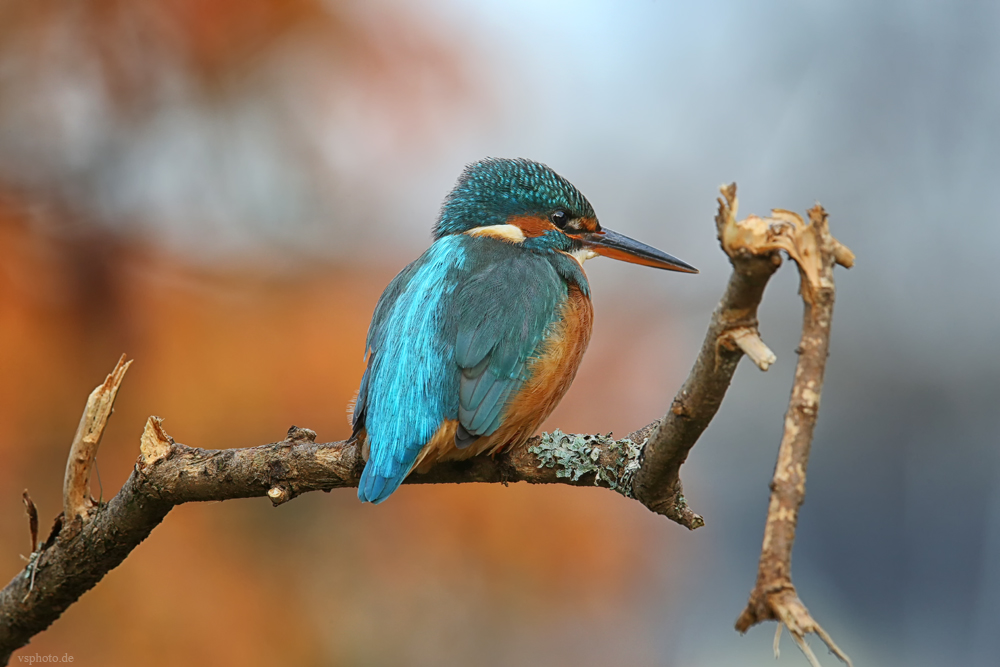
(29, 509)
(76, 483)
(815, 252)
(29, 572)
(31, 567)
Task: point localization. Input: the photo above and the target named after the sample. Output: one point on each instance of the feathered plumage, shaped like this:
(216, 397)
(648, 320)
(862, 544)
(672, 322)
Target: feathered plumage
(472, 345)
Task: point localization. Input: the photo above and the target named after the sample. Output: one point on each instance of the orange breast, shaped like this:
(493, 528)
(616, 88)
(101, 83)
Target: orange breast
(551, 374)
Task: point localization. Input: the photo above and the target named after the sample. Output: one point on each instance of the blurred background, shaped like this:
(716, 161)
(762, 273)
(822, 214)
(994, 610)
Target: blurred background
(222, 188)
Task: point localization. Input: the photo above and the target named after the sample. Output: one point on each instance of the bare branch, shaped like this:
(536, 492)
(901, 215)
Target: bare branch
(815, 252)
(658, 483)
(76, 483)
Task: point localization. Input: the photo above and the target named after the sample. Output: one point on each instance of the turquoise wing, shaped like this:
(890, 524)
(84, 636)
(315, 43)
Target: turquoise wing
(450, 339)
(404, 391)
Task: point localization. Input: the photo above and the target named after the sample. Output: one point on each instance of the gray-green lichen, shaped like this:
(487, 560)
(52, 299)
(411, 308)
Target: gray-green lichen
(574, 456)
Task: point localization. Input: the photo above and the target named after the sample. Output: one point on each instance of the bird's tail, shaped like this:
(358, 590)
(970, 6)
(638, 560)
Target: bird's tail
(375, 487)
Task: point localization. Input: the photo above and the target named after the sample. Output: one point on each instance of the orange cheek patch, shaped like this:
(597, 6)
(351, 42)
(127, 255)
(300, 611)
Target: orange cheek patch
(588, 224)
(532, 225)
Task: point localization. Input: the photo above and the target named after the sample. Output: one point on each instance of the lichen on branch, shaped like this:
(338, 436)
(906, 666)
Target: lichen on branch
(612, 463)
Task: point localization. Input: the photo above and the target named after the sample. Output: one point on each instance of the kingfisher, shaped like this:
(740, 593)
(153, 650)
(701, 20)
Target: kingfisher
(474, 344)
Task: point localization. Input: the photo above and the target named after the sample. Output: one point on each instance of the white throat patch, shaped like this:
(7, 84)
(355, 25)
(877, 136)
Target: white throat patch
(510, 233)
(582, 255)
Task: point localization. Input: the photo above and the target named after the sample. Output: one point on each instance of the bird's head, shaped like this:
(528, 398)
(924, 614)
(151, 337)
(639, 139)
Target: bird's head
(527, 203)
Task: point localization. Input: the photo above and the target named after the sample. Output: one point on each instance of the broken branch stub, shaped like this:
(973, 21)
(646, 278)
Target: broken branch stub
(748, 339)
(154, 445)
(83, 451)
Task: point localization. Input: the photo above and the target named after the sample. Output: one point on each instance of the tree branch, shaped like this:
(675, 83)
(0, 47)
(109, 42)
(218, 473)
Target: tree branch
(815, 252)
(79, 553)
(89, 540)
(658, 484)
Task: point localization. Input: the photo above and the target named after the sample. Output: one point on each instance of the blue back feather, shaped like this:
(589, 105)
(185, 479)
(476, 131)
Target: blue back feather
(407, 391)
(451, 339)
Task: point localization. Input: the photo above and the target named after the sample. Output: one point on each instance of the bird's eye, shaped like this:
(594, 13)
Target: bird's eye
(559, 218)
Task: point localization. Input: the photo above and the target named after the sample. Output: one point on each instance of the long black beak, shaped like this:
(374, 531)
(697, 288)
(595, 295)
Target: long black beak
(618, 246)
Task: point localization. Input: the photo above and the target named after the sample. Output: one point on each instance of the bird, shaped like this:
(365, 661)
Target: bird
(472, 345)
